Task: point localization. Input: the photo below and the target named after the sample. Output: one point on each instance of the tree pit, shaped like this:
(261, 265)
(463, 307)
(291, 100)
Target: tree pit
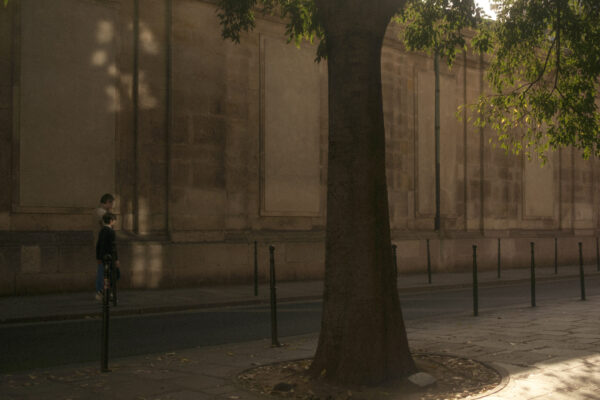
(455, 378)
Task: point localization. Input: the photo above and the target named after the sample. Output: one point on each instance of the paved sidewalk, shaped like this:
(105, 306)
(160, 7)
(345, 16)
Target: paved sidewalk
(552, 352)
(81, 305)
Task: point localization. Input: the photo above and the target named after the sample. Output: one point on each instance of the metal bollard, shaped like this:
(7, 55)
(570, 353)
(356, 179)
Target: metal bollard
(475, 284)
(105, 315)
(394, 247)
(555, 256)
(274, 340)
(255, 268)
(532, 274)
(581, 274)
(428, 263)
(498, 258)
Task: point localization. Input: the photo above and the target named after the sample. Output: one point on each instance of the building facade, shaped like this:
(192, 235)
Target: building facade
(211, 146)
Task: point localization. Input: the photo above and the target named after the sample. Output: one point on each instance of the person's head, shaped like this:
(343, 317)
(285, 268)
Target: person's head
(109, 219)
(106, 201)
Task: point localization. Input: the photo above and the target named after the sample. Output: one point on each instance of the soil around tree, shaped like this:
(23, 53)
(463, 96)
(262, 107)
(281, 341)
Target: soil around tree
(456, 378)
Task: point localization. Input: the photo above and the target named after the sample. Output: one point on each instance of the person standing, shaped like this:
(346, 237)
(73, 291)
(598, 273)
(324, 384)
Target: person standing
(106, 203)
(107, 243)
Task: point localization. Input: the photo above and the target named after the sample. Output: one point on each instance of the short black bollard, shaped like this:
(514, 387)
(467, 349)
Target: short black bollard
(475, 284)
(597, 256)
(394, 247)
(532, 274)
(274, 340)
(555, 256)
(498, 258)
(105, 315)
(428, 263)
(255, 268)
(581, 274)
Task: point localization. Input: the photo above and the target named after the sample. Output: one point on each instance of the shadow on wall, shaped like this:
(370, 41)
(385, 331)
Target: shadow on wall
(143, 263)
(75, 97)
(146, 269)
(123, 87)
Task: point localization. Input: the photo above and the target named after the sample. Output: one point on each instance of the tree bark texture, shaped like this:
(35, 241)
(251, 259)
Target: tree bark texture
(363, 338)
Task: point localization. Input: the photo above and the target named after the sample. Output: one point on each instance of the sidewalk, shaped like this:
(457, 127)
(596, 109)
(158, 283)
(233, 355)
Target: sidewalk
(14, 309)
(551, 352)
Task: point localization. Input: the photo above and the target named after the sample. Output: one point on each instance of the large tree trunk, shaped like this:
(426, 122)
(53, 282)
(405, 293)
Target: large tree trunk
(363, 338)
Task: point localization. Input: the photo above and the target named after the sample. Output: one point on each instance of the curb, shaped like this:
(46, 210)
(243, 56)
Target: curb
(505, 380)
(490, 283)
(249, 302)
(149, 310)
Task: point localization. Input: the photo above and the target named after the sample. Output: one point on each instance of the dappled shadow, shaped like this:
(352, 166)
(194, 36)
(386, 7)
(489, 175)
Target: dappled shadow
(554, 349)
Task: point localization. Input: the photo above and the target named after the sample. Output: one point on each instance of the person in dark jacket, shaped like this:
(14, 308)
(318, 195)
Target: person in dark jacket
(107, 240)
(106, 204)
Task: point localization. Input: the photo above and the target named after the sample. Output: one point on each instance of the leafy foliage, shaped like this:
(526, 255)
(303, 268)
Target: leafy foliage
(544, 60)
(437, 25)
(237, 16)
(544, 67)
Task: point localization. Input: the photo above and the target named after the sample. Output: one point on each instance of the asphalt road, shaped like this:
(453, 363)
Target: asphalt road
(38, 345)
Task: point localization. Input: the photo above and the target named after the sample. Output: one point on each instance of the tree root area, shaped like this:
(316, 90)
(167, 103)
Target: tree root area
(456, 378)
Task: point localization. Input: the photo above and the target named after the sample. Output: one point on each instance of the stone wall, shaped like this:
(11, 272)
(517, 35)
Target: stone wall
(211, 146)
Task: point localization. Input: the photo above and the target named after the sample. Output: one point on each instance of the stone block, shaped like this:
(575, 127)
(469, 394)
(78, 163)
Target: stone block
(208, 176)
(422, 379)
(5, 91)
(78, 281)
(305, 253)
(300, 271)
(226, 254)
(192, 222)
(10, 260)
(286, 223)
(158, 222)
(209, 129)
(4, 220)
(7, 285)
(236, 223)
(31, 260)
(237, 203)
(82, 238)
(146, 265)
(76, 259)
(206, 203)
(209, 261)
(50, 258)
(181, 129)
(158, 173)
(181, 174)
(13, 238)
(236, 178)
(158, 198)
(46, 283)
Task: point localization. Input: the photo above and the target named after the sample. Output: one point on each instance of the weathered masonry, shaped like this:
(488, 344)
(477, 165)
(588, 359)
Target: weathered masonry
(210, 146)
